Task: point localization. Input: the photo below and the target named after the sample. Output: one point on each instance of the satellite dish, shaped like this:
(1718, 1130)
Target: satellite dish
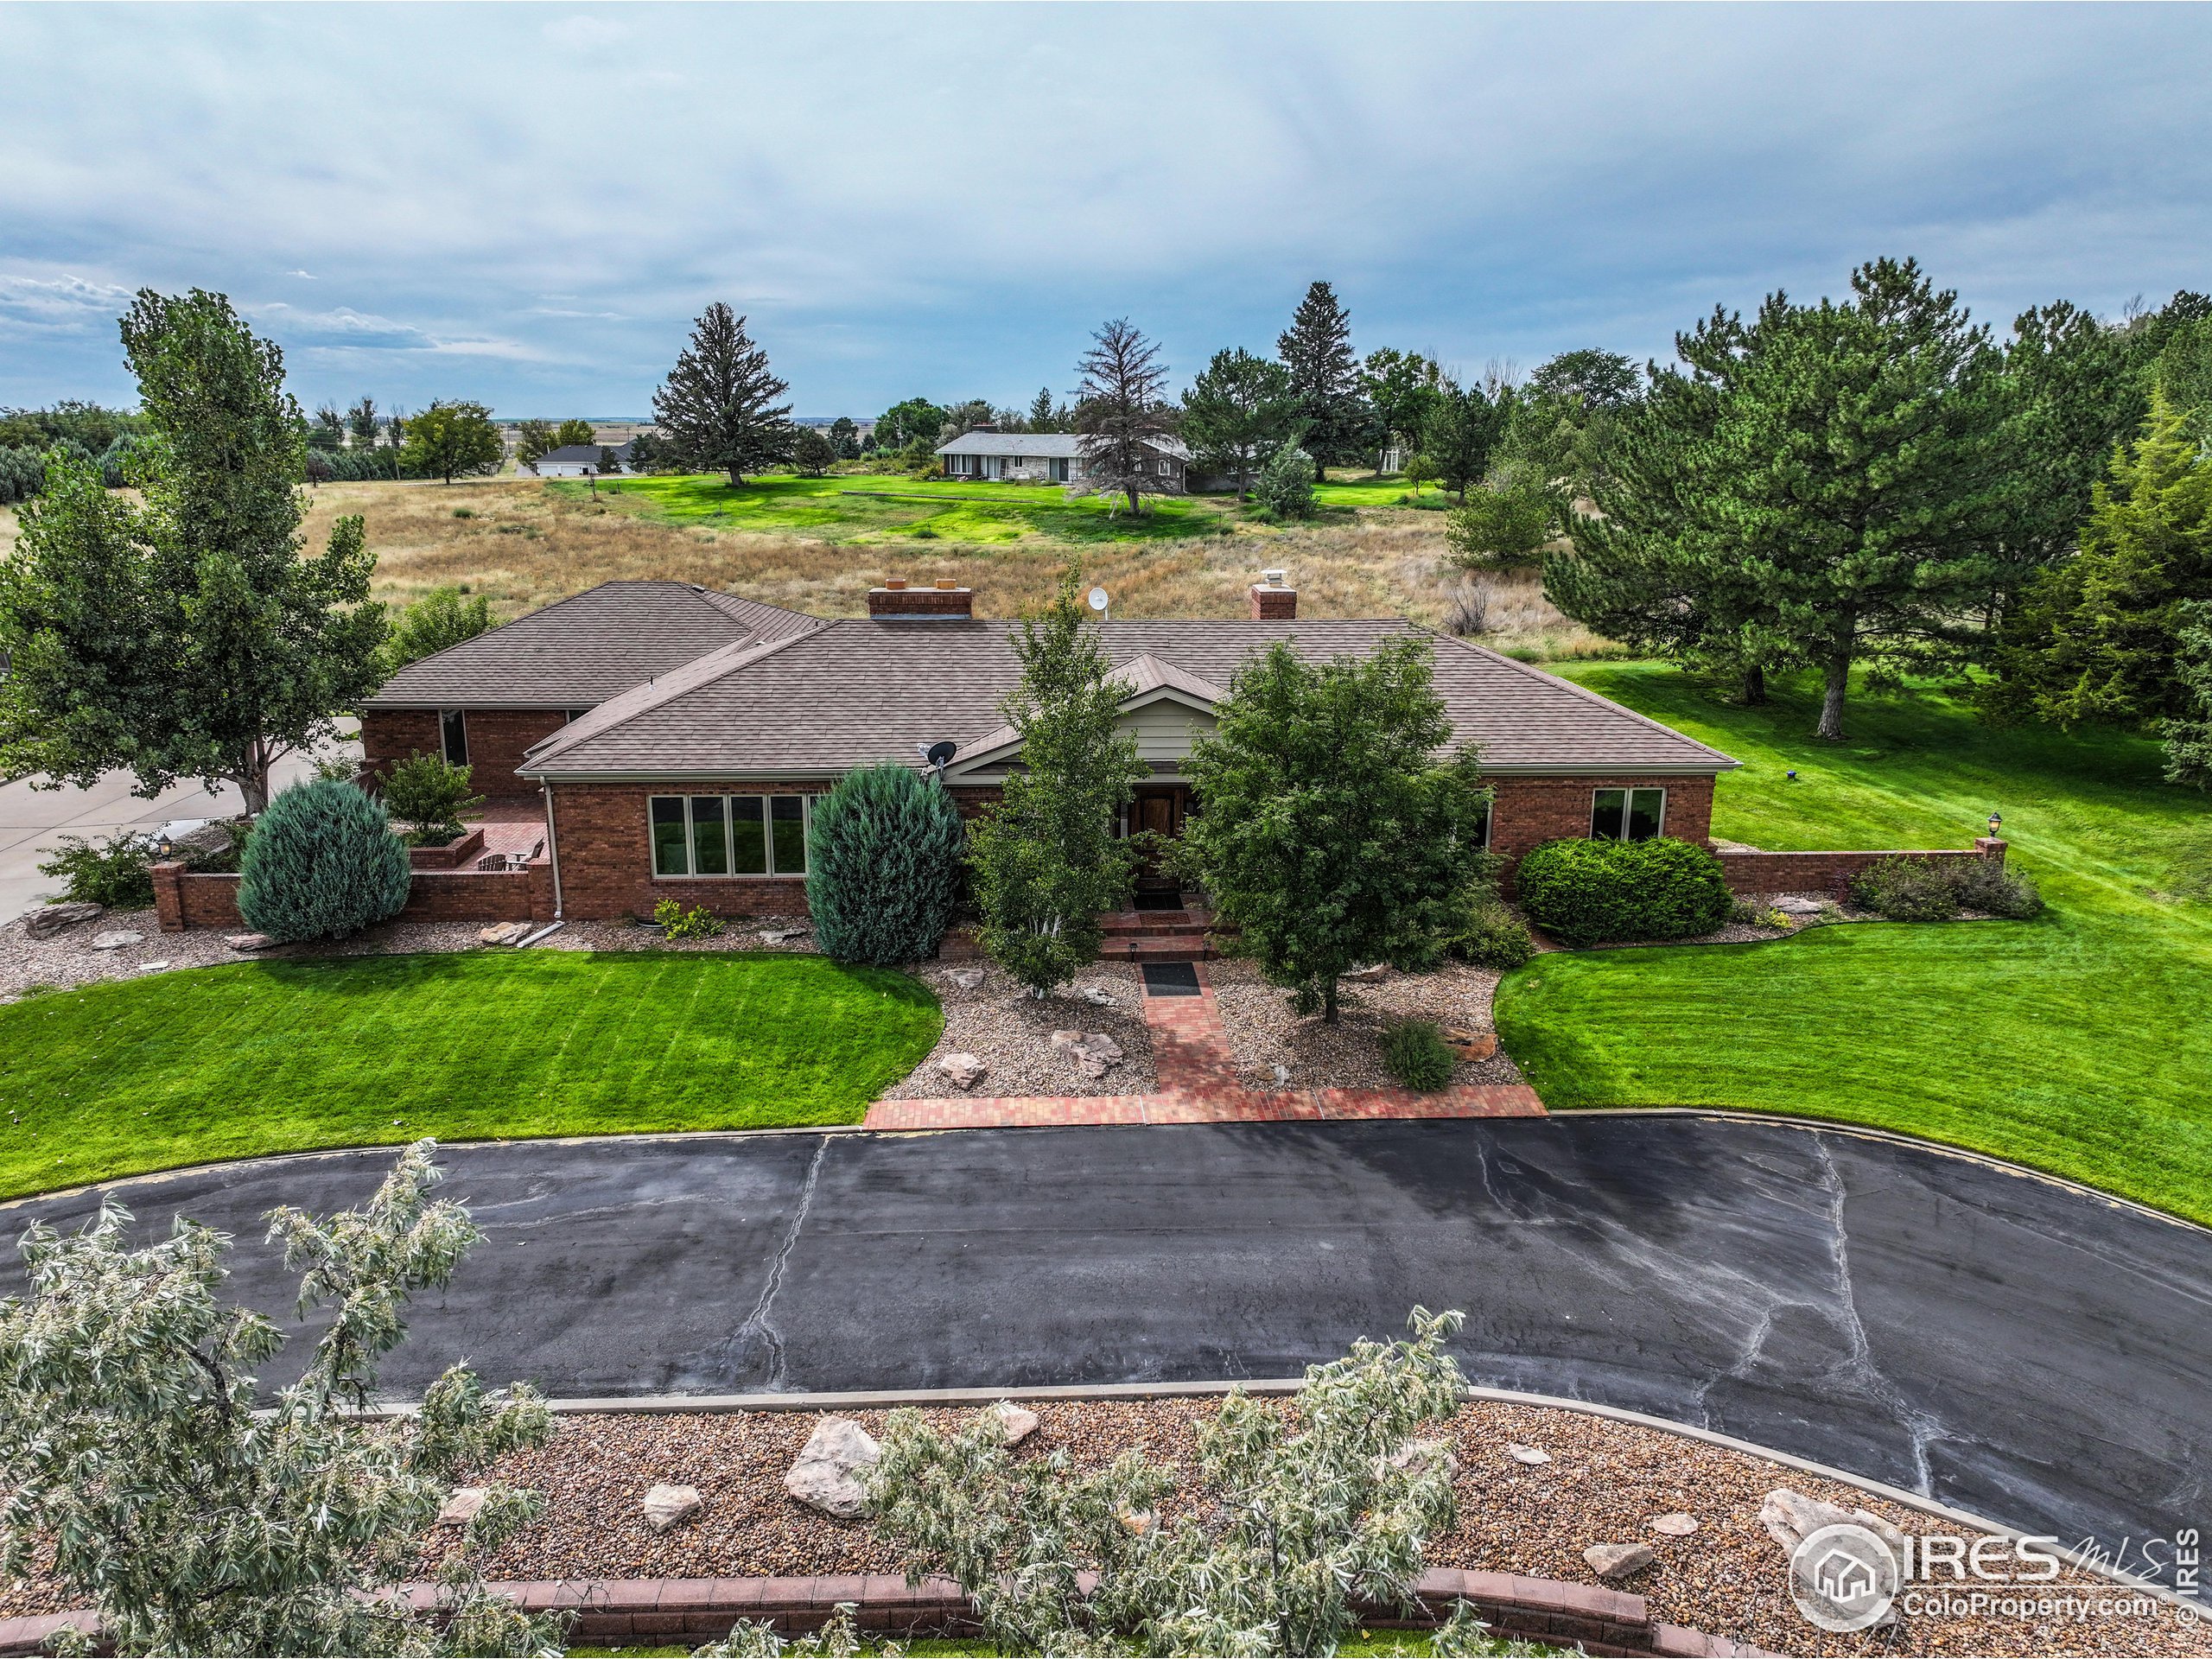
(1098, 601)
(938, 754)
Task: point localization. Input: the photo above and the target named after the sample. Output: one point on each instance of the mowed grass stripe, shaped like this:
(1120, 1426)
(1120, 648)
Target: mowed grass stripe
(258, 1057)
(2076, 1042)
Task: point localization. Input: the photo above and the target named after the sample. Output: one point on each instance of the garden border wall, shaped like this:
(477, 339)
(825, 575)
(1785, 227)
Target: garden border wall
(183, 900)
(1830, 873)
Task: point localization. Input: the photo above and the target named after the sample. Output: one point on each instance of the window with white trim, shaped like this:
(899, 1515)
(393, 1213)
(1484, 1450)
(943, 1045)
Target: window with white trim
(453, 730)
(730, 835)
(1627, 814)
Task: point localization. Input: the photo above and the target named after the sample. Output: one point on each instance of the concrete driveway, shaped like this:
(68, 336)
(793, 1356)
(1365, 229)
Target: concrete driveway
(2001, 1342)
(34, 821)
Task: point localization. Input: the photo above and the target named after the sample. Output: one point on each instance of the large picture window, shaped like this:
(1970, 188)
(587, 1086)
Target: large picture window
(730, 835)
(1627, 814)
(453, 727)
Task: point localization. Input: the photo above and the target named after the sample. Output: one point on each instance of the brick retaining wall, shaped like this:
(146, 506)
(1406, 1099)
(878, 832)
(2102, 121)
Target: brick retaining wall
(182, 900)
(1829, 873)
(447, 855)
(621, 1611)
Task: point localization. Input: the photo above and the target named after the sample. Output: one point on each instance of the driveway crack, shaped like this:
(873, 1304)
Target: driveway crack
(759, 1324)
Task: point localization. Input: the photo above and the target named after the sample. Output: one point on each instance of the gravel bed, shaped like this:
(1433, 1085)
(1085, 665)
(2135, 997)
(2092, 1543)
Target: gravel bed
(1605, 1483)
(1011, 1032)
(1264, 1033)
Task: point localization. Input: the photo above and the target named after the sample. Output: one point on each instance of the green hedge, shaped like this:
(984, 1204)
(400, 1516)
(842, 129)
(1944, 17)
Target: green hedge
(1595, 891)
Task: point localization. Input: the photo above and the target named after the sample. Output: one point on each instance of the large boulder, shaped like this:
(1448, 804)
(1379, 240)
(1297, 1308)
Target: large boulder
(117, 939)
(826, 1477)
(965, 1070)
(1093, 1052)
(50, 919)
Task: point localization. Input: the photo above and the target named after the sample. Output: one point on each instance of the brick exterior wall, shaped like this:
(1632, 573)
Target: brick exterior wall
(497, 739)
(604, 836)
(1273, 604)
(183, 900)
(1530, 812)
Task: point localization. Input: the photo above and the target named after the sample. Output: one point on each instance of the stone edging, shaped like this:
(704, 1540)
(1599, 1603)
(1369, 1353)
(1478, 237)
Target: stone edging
(615, 1611)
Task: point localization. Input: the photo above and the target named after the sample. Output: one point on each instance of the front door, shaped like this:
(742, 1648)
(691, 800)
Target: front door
(1158, 809)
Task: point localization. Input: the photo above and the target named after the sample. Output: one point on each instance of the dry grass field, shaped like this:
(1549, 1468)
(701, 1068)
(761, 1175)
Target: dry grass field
(525, 545)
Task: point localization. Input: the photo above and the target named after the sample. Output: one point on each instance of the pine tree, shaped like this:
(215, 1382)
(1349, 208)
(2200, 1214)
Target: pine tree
(1324, 377)
(1044, 413)
(361, 423)
(1820, 485)
(718, 405)
(2188, 734)
(1236, 413)
(1459, 430)
(1120, 413)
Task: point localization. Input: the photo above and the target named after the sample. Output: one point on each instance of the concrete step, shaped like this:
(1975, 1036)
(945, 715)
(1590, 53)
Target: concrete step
(1155, 922)
(1156, 947)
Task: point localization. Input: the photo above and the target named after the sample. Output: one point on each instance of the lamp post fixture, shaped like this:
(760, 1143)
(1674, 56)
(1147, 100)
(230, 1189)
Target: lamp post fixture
(1996, 823)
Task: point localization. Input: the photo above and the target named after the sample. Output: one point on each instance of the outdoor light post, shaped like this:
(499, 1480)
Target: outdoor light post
(1996, 822)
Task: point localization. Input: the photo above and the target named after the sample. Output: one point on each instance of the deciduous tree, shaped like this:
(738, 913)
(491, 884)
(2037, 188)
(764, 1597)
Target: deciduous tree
(134, 1446)
(574, 431)
(450, 441)
(1120, 413)
(1401, 388)
(1332, 836)
(442, 618)
(1044, 860)
(1236, 413)
(718, 406)
(1333, 418)
(187, 638)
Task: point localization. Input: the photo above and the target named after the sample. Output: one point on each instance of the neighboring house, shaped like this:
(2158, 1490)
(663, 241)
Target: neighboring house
(483, 703)
(680, 737)
(575, 460)
(987, 455)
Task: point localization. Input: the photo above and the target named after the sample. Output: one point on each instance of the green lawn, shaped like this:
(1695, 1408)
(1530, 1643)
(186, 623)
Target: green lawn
(254, 1058)
(2079, 1043)
(868, 508)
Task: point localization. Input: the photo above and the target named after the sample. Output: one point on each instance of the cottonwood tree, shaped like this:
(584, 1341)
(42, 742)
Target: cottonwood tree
(443, 617)
(132, 1443)
(1333, 418)
(912, 423)
(187, 637)
(450, 441)
(329, 429)
(1045, 861)
(718, 406)
(1400, 388)
(1119, 414)
(1332, 836)
(1835, 490)
(1298, 1515)
(575, 431)
(1236, 413)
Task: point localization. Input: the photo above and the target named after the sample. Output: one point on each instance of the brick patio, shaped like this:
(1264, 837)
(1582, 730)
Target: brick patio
(1198, 1084)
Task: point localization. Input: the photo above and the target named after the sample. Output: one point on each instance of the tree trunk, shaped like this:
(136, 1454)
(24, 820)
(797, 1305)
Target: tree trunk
(1328, 1000)
(736, 478)
(1838, 681)
(1133, 509)
(1754, 684)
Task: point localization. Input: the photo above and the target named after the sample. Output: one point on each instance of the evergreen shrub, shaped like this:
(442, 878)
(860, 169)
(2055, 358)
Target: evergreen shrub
(1417, 1055)
(322, 862)
(1592, 892)
(884, 860)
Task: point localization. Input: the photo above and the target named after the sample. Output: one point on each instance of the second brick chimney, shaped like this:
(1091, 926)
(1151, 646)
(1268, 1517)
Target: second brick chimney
(943, 599)
(1274, 600)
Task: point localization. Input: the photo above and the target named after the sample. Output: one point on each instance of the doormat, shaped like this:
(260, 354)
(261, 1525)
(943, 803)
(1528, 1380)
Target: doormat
(1169, 899)
(1170, 978)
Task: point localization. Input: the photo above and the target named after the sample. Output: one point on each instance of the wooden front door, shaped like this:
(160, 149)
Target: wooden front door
(1159, 809)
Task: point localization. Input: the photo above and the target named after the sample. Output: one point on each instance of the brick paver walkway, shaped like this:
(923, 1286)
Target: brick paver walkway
(1198, 1084)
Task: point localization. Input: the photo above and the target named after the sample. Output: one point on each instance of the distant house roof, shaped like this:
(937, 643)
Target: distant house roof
(852, 693)
(576, 455)
(1051, 446)
(579, 651)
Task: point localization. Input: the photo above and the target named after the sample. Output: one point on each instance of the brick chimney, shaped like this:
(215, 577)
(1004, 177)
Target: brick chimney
(944, 599)
(1274, 600)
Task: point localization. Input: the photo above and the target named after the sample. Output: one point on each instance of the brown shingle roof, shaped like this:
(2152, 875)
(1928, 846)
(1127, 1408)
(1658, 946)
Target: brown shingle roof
(579, 651)
(855, 692)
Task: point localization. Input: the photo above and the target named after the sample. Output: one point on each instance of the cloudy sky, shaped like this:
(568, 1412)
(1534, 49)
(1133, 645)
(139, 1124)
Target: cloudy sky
(527, 204)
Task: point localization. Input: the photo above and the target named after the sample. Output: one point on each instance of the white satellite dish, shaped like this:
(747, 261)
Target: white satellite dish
(1098, 601)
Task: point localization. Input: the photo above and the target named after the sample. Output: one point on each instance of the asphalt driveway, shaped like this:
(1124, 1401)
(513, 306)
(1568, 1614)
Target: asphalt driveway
(2003, 1343)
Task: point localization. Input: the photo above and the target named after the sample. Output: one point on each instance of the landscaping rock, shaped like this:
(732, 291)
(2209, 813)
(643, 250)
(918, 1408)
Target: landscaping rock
(965, 1069)
(665, 1506)
(1367, 974)
(1527, 1454)
(1789, 1517)
(1094, 1052)
(1677, 1525)
(460, 1509)
(1098, 996)
(1471, 1045)
(50, 919)
(826, 1476)
(116, 940)
(966, 979)
(152, 966)
(1791, 904)
(778, 935)
(1613, 1562)
(1016, 1423)
(504, 933)
(248, 941)
(1418, 1457)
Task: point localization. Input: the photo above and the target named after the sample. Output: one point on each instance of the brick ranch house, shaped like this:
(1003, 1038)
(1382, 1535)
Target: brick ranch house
(984, 454)
(672, 741)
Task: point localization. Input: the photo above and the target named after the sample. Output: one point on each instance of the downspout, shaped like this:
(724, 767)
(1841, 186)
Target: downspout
(552, 849)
